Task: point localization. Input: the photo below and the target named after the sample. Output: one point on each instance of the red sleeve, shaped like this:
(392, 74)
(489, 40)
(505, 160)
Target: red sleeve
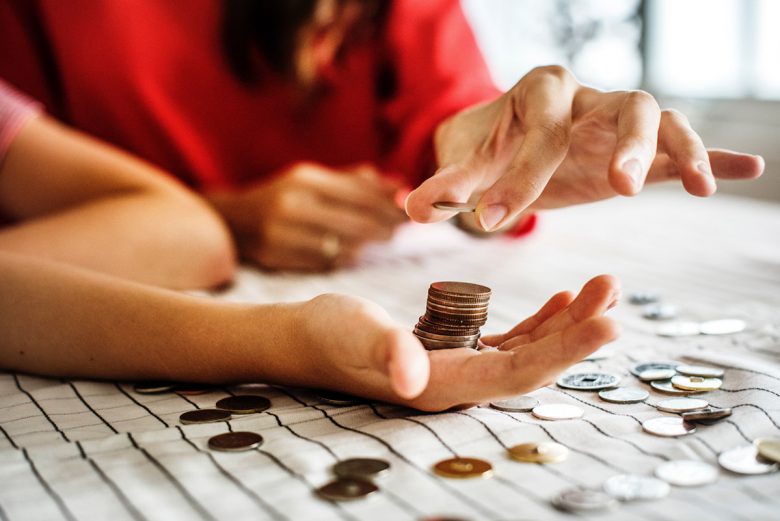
(439, 71)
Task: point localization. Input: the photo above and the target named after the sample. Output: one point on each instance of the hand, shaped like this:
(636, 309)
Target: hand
(381, 360)
(552, 142)
(311, 218)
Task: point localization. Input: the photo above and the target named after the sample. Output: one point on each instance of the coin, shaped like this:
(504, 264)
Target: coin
(583, 500)
(687, 473)
(454, 314)
(153, 387)
(632, 487)
(696, 383)
(193, 389)
(204, 416)
(659, 312)
(637, 369)
(668, 427)
(727, 326)
(699, 370)
(433, 336)
(346, 489)
(745, 460)
(542, 452)
(453, 288)
(557, 411)
(677, 329)
(624, 395)
(364, 468)
(769, 448)
(334, 398)
(709, 414)
(463, 468)
(680, 405)
(244, 404)
(455, 207)
(516, 404)
(665, 386)
(650, 375)
(641, 298)
(588, 381)
(235, 441)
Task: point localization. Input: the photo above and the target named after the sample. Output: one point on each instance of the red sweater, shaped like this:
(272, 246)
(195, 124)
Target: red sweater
(149, 76)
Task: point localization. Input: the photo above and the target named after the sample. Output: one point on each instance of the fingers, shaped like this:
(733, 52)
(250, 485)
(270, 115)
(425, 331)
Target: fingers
(404, 360)
(685, 148)
(450, 184)
(725, 164)
(556, 303)
(637, 133)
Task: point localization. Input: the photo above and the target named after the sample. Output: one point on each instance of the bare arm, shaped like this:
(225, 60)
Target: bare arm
(77, 200)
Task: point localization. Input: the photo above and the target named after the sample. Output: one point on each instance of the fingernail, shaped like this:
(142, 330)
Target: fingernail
(704, 168)
(634, 169)
(491, 216)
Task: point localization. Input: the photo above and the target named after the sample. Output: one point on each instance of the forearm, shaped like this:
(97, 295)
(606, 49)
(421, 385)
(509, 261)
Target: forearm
(58, 320)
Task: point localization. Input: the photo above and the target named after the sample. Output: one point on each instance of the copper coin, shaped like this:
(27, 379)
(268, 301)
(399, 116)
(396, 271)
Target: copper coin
(362, 468)
(244, 404)
(193, 389)
(460, 289)
(463, 468)
(346, 489)
(235, 441)
(707, 414)
(204, 416)
(334, 398)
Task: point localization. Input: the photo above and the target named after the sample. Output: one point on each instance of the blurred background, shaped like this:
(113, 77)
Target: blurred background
(718, 61)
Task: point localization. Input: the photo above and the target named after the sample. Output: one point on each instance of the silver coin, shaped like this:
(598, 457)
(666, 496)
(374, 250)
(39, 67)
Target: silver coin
(642, 298)
(235, 441)
(557, 411)
(244, 404)
(334, 398)
(727, 326)
(153, 387)
(632, 487)
(659, 312)
(708, 414)
(588, 381)
(639, 368)
(583, 500)
(516, 404)
(678, 329)
(768, 448)
(696, 383)
(651, 375)
(745, 460)
(668, 427)
(700, 370)
(680, 405)
(687, 473)
(455, 207)
(361, 468)
(665, 386)
(346, 489)
(204, 416)
(624, 395)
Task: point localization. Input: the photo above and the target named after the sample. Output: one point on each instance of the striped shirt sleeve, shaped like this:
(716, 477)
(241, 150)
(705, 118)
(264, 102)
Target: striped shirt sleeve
(15, 110)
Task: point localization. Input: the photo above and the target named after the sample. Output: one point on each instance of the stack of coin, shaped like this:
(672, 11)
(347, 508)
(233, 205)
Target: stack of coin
(453, 316)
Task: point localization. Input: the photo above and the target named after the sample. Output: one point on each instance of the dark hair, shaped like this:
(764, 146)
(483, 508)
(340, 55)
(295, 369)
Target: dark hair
(270, 27)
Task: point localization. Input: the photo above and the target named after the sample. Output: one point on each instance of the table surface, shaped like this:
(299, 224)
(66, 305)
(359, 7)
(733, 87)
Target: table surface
(95, 450)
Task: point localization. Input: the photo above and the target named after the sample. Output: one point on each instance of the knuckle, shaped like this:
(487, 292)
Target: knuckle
(556, 132)
(285, 203)
(641, 97)
(556, 71)
(675, 116)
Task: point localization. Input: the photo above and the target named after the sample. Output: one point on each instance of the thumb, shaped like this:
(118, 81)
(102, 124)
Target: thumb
(403, 359)
(452, 183)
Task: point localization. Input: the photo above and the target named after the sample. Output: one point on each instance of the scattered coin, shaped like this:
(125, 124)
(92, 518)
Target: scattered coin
(588, 381)
(696, 383)
(632, 487)
(677, 329)
(680, 405)
(745, 460)
(463, 468)
(687, 473)
(665, 386)
(769, 448)
(640, 368)
(710, 414)
(193, 389)
(346, 489)
(542, 452)
(642, 298)
(363, 468)
(624, 395)
(455, 207)
(659, 312)
(204, 416)
(583, 500)
(728, 326)
(153, 387)
(235, 441)
(516, 404)
(334, 398)
(668, 427)
(557, 411)
(244, 404)
(650, 375)
(700, 370)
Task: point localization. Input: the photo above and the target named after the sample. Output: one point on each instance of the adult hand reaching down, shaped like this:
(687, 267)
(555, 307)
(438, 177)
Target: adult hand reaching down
(551, 142)
(310, 217)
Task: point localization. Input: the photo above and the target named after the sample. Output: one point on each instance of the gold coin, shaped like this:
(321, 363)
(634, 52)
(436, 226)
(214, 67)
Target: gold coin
(696, 383)
(769, 448)
(543, 452)
(463, 468)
